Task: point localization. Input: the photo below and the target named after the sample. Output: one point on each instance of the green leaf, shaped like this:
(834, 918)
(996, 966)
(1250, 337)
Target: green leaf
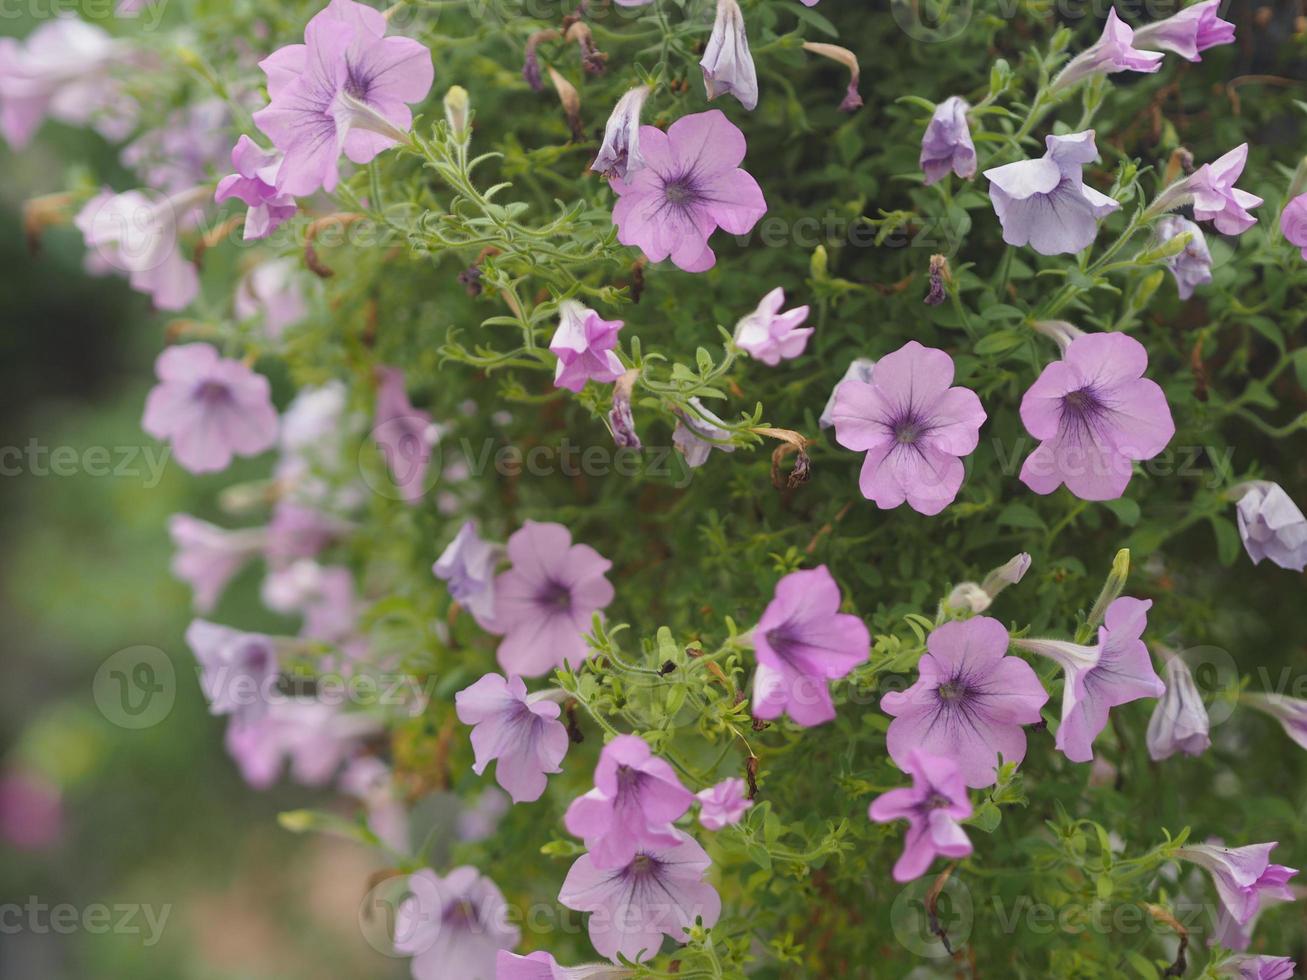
(1018, 514)
(1227, 539)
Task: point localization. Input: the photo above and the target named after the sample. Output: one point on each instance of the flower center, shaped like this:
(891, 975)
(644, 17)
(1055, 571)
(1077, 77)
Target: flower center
(212, 393)
(1082, 407)
(680, 191)
(357, 84)
(952, 690)
(461, 914)
(555, 596)
(643, 866)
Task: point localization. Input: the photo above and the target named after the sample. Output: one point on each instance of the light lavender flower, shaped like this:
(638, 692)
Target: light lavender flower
(1194, 29)
(1192, 266)
(698, 433)
(1179, 722)
(619, 155)
(727, 64)
(1271, 525)
(947, 144)
(859, 370)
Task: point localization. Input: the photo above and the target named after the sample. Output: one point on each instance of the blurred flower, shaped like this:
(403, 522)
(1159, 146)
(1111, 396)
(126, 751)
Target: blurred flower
(660, 892)
(1257, 967)
(1193, 266)
(698, 433)
(542, 966)
(478, 821)
(521, 731)
(316, 738)
(1114, 51)
(207, 557)
(691, 185)
(183, 151)
(635, 799)
(1044, 203)
(453, 926)
(852, 100)
(583, 344)
(406, 435)
(860, 369)
(947, 144)
(727, 64)
(31, 810)
(913, 427)
(771, 336)
(1291, 713)
(1192, 30)
(802, 642)
(467, 566)
(1094, 413)
(619, 155)
(272, 291)
(544, 603)
(254, 183)
(1096, 679)
(723, 805)
(1293, 222)
(209, 408)
(296, 531)
(620, 419)
(969, 703)
(238, 671)
(1243, 876)
(344, 89)
(372, 783)
(1179, 722)
(933, 806)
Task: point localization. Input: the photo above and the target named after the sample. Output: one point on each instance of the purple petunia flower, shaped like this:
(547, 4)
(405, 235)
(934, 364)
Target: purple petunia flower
(542, 966)
(453, 926)
(1193, 266)
(583, 344)
(933, 806)
(723, 805)
(860, 369)
(316, 738)
(237, 670)
(467, 566)
(1271, 525)
(619, 155)
(254, 183)
(635, 799)
(345, 89)
(1243, 876)
(522, 731)
(1044, 203)
(660, 892)
(209, 408)
(1210, 190)
(698, 433)
(969, 702)
(947, 144)
(621, 420)
(1293, 222)
(1114, 51)
(183, 150)
(913, 427)
(544, 603)
(1290, 712)
(1257, 967)
(208, 556)
(691, 185)
(405, 435)
(1179, 722)
(372, 783)
(1192, 30)
(803, 641)
(271, 291)
(1094, 413)
(770, 335)
(727, 64)
(1096, 679)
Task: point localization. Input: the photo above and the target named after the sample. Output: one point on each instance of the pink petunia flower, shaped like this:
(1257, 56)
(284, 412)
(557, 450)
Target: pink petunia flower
(933, 805)
(913, 427)
(1096, 679)
(238, 671)
(1293, 223)
(372, 783)
(209, 408)
(31, 810)
(346, 89)
(1257, 968)
(660, 892)
(969, 702)
(467, 567)
(208, 556)
(453, 926)
(1290, 712)
(691, 185)
(1094, 413)
(545, 602)
(272, 292)
(297, 531)
(723, 805)
(1243, 876)
(1189, 32)
(406, 436)
(522, 731)
(1210, 190)
(771, 336)
(802, 642)
(946, 144)
(542, 966)
(315, 738)
(635, 799)
(583, 344)
(254, 183)
(1115, 50)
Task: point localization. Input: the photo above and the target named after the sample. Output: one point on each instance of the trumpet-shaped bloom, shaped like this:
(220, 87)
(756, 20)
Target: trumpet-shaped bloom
(698, 433)
(803, 642)
(1094, 413)
(347, 89)
(1189, 32)
(583, 344)
(453, 926)
(947, 144)
(522, 731)
(254, 183)
(1257, 968)
(1272, 526)
(1117, 49)
(1096, 679)
(208, 556)
(1193, 265)
(1291, 713)
(467, 567)
(1293, 223)
(691, 185)
(545, 602)
(636, 797)
(209, 408)
(723, 805)
(660, 892)
(315, 738)
(406, 436)
(1211, 191)
(1243, 876)
(1179, 722)
(860, 369)
(237, 669)
(619, 155)
(727, 64)
(913, 427)
(770, 335)
(933, 805)
(1044, 203)
(968, 704)
(542, 966)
